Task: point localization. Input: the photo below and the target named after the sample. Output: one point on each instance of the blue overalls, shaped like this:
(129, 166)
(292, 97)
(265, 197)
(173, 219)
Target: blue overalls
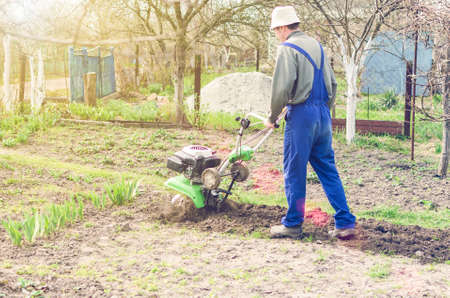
(308, 137)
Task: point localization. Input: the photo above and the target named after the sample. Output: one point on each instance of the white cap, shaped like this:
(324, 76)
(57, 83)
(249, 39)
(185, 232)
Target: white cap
(283, 16)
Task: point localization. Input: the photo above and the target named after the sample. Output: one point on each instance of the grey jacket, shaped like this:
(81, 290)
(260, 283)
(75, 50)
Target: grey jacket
(293, 75)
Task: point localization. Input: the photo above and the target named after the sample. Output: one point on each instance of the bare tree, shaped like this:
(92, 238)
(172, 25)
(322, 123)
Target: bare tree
(433, 17)
(190, 21)
(248, 30)
(6, 22)
(354, 24)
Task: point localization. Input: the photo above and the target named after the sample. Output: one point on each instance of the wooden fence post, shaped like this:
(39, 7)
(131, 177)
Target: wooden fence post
(90, 84)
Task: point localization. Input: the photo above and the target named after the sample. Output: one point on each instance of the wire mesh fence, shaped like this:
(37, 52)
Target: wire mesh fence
(55, 64)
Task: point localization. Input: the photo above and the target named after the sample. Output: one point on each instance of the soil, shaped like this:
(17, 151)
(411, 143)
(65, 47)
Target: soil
(135, 254)
(148, 248)
(428, 245)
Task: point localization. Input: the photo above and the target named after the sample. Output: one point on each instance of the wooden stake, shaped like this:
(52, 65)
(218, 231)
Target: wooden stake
(90, 84)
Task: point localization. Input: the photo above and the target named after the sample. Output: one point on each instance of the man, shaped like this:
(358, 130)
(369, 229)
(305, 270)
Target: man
(304, 82)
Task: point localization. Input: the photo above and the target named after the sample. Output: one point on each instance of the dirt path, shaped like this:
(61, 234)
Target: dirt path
(50, 85)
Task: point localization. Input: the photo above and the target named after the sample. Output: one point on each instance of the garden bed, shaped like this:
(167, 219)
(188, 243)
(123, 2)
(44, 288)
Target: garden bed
(136, 249)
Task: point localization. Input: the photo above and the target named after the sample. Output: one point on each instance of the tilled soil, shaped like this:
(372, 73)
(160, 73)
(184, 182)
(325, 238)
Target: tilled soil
(148, 249)
(140, 253)
(428, 245)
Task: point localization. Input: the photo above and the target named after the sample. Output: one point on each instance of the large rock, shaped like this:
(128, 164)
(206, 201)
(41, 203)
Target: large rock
(236, 93)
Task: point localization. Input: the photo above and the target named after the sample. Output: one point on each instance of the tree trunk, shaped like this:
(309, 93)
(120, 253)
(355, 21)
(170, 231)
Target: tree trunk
(136, 66)
(351, 71)
(180, 53)
(197, 89)
(206, 59)
(23, 62)
(7, 97)
(32, 83)
(37, 83)
(226, 56)
(443, 163)
(40, 90)
(257, 59)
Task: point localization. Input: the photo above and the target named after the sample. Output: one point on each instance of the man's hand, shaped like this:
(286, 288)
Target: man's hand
(269, 124)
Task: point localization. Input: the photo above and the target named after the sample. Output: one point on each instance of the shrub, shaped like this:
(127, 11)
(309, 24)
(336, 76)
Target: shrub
(438, 148)
(202, 117)
(152, 88)
(147, 111)
(374, 105)
(168, 91)
(16, 129)
(389, 100)
(437, 99)
(86, 112)
(427, 130)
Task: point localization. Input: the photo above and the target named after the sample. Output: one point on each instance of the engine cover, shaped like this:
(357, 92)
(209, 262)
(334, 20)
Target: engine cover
(192, 160)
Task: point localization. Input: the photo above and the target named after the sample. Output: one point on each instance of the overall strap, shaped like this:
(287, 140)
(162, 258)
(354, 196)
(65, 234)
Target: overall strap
(321, 56)
(302, 51)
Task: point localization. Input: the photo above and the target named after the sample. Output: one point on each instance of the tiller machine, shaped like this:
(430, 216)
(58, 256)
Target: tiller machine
(202, 170)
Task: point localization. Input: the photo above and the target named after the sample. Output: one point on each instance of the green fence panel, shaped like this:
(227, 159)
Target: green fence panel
(82, 63)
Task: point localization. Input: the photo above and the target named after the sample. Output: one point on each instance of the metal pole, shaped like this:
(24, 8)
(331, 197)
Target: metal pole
(333, 112)
(368, 103)
(84, 69)
(414, 94)
(408, 87)
(99, 74)
(65, 75)
(71, 74)
(112, 72)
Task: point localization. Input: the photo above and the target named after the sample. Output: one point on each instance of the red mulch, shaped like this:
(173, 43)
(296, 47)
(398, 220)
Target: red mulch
(267, 179)
(318, 217)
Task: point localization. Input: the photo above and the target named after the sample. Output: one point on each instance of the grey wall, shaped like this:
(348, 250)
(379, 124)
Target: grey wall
(385, 64)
